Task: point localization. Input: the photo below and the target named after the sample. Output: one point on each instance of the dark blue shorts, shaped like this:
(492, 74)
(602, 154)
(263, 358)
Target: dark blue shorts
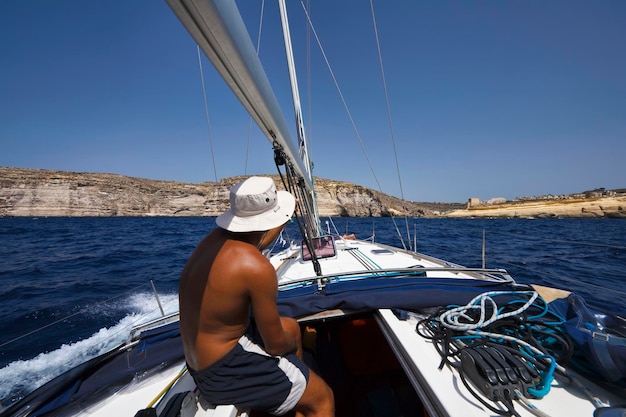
(249, 377)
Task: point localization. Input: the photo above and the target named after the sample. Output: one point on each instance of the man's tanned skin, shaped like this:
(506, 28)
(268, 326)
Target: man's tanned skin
(225, 276)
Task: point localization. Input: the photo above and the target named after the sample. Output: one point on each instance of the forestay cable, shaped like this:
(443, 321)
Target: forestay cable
(206, 113)
(345, 105)
(391, 130)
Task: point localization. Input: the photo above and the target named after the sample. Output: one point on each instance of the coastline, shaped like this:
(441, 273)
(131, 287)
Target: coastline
(26, 192)
(599, 207)
(35, 192)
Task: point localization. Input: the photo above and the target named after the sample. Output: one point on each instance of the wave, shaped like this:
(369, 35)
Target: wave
(21, 377)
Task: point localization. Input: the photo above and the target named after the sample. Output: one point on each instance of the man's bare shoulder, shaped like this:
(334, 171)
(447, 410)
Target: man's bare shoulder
(244, 258)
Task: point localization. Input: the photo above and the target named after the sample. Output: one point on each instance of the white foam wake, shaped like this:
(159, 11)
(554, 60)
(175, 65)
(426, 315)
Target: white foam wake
(23, 376)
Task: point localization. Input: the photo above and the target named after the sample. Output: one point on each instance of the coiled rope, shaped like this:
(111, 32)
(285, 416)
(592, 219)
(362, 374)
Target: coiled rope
(523, 326)
(459, 318)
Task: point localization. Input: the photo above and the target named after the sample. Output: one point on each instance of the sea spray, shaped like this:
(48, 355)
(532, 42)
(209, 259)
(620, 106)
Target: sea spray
(20, 377)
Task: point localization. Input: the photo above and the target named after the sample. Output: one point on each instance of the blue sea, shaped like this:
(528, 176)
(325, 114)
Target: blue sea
(71, 287)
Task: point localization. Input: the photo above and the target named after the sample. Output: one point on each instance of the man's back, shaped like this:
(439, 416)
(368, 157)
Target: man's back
(214, 298)
(232, 361)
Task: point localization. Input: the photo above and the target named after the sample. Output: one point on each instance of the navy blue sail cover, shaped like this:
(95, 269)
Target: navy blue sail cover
(408, 293)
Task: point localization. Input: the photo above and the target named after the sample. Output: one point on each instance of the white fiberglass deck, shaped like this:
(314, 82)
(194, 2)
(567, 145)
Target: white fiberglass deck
(444, 394)
(357, 255)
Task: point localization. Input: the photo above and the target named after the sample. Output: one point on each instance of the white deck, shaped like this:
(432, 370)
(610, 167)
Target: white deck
(357, 255)
(442, 391)
(447, 396)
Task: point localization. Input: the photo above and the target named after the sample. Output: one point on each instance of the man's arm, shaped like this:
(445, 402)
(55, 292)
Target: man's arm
(263, 291)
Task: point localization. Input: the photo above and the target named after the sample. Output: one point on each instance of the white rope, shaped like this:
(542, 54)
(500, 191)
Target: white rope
(458, 319)
(530, 406)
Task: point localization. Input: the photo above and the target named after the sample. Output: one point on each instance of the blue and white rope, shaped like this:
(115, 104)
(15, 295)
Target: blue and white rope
(458, 318)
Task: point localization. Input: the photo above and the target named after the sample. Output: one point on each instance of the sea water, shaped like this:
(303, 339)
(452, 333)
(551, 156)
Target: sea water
(70, 288)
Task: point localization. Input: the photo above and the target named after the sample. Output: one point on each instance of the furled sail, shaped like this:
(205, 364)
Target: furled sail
(217, 27)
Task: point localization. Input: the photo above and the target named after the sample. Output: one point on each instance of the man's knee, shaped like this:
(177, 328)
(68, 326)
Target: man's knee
(318, 399)
(329, 400)
(325, 406)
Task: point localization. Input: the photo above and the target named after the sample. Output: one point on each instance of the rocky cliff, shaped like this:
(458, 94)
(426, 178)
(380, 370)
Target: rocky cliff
(35, 192)
(611, 207)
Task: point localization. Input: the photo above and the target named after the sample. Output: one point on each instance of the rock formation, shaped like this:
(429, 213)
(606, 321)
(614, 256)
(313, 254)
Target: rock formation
(611, 207)
(35, 192)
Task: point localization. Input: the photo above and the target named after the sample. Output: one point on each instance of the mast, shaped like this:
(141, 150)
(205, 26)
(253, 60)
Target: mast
(297, 107)
(217, 27)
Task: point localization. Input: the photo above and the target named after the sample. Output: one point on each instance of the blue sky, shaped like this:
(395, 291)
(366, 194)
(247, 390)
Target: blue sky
(487, 98)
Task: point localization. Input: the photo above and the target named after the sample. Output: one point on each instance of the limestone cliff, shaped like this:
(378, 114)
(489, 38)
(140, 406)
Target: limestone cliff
(611, 207)
(35, 192)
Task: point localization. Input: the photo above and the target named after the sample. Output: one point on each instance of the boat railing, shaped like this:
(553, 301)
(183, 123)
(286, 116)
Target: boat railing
(497, 275)
(135, 332)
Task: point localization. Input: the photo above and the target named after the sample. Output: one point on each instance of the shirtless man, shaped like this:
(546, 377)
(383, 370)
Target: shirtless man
(233, 361)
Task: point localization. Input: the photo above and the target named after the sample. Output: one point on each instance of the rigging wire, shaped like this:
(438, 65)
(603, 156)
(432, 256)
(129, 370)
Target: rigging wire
(206, 113)
(564, 278)
(391, 129)
(558, 276)
(345, 105)
(341, 96)
(305, 209)
(538, 272)
(308, 82)
(258, 48)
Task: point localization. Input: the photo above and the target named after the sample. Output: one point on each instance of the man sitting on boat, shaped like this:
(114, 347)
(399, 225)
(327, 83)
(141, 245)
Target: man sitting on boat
(250, 362)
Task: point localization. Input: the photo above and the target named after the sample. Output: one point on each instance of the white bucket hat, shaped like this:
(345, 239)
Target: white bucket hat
(256, 206)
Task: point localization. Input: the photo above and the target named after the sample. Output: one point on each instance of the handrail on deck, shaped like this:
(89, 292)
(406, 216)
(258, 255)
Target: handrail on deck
(135, 332)
(500, 275)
